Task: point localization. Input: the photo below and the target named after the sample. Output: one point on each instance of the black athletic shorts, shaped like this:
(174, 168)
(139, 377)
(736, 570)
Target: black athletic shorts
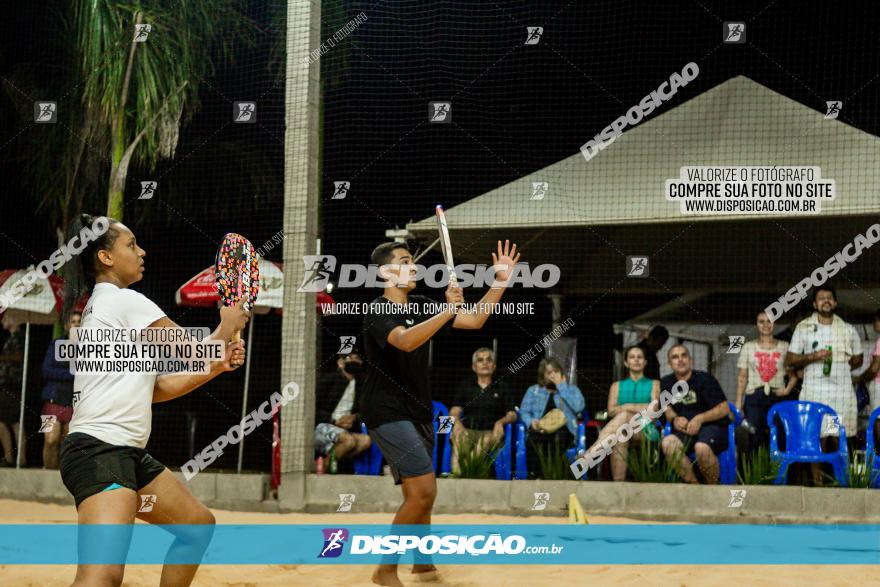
(408, 447)
(712, 434)
(90, 466)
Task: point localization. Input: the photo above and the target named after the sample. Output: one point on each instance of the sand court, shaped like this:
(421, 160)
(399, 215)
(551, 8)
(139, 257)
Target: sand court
(22, 512)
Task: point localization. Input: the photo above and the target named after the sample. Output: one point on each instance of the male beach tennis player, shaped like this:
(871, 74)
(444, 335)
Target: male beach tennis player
(396, 401)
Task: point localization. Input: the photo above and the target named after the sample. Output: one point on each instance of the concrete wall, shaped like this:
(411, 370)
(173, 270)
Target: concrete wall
(645, 501)
(220, 491)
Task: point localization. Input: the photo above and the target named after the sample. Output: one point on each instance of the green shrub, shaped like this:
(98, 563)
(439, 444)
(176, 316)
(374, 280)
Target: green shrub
(647, 464)
(758, 468)
(553, 462)
(474, 463)
(860, 470)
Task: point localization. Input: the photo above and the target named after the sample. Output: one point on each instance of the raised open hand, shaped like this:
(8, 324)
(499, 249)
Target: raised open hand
(503, 262)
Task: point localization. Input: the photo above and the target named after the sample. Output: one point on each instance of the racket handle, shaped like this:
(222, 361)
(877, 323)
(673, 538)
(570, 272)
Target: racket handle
(236, 336)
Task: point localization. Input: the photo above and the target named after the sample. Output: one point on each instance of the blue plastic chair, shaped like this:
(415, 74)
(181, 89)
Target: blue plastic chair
(802, 422)
(871, 457)
(503, 458)
(727, 459)
(368, 462)
(520, 470)
(446, 464)
(580, 441)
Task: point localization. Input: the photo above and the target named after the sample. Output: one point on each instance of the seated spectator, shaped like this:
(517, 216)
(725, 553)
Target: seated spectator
(651, 345)
(540, 411)
(336, 396)
(487, 407)
(761, 381)
(625, 399)
(57, 397)
(699, 419)
(11, 363)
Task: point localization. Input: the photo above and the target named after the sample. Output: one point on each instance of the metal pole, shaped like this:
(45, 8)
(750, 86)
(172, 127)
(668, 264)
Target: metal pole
(247, 380)
(422, 254)
(27, 342)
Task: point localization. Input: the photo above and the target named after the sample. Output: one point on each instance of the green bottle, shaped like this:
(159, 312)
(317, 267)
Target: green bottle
(333, 467)
(826, 367)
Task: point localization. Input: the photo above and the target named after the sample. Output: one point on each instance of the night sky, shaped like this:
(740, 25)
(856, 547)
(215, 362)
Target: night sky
(516, 108)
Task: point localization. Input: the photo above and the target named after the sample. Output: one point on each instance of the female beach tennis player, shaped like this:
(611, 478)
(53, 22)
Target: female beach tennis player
(103, 461)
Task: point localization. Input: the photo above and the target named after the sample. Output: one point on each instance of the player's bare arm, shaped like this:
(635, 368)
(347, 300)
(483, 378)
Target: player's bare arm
(171, 386)
(409, 339)
(232, 319)
(503, 261)
(174, 385)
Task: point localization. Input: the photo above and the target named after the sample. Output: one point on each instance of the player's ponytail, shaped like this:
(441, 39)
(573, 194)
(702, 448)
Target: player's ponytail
(89, 234)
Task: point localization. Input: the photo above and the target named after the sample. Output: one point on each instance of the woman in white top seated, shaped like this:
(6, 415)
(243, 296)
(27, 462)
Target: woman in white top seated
(103, 461)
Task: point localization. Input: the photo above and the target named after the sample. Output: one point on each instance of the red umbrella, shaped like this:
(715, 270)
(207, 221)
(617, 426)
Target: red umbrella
(201, 291)
(41, 304)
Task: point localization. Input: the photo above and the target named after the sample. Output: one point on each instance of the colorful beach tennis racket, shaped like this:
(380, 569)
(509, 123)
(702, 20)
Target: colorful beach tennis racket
(237, 273)
(445, 245)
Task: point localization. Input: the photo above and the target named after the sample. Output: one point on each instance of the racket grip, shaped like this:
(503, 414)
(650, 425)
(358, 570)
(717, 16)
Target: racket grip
(236, 336)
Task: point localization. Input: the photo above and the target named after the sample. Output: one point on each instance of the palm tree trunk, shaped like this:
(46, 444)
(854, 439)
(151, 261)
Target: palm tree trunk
(119, 170)
(118, 173)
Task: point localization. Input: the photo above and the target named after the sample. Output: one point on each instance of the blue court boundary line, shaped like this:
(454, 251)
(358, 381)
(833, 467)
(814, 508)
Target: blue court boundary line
(642, 544)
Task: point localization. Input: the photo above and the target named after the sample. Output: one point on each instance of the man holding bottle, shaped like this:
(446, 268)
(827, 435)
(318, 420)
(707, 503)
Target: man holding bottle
(827, 348)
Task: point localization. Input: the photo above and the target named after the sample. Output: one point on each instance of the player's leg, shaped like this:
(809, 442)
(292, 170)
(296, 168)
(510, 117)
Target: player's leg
(175, 505)
(408, 448)
(420, 492)
(673, 450)
(112, 506)
(418, 499)
(426, 487)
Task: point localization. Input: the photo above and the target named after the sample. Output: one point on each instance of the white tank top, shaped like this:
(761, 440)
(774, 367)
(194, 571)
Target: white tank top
(115, 407)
